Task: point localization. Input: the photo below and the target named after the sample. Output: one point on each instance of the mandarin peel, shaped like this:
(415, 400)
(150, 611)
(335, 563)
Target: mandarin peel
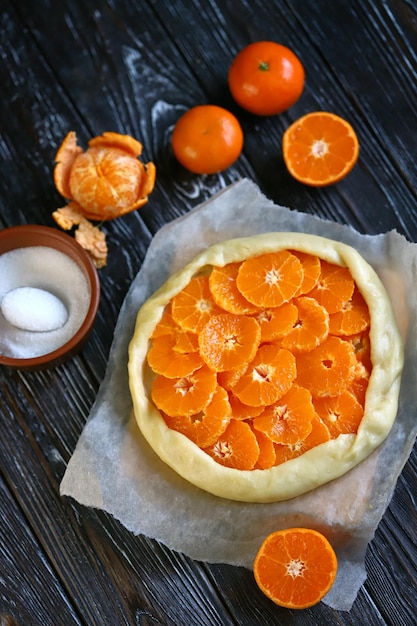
(101, 183)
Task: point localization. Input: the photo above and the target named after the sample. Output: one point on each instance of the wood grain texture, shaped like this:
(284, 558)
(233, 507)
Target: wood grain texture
(135, 67)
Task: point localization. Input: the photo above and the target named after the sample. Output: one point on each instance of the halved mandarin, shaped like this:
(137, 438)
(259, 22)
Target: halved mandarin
(271, 279)
(268, 376)
(311, 327)
(237, 447)
(229, 341)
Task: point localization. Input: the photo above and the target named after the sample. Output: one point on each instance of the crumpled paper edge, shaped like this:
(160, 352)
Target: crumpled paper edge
(112, 400)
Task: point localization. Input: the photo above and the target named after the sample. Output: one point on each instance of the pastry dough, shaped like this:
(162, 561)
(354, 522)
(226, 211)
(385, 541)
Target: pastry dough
(320, 464)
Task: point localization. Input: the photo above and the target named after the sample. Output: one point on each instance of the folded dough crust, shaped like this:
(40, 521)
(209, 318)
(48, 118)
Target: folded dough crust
(317, 466)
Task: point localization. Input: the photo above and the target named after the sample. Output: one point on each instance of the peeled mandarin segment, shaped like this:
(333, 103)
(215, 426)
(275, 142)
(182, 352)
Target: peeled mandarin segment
(320, 149)
(328, 369)
(204, 428)
(341, 414)
(352, 319)
(193, 307)
(163, 358)
(268, 376)
(237, 447)
(229, 341)
(271, 279)
(311, 270)
(277, 322)
(295, 567)
(266, 458)
(311, 327)
(288, 420)
(186, 395)
(225, 293)
(334, 288)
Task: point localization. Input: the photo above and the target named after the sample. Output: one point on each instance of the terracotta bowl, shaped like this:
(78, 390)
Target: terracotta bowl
(26, 236)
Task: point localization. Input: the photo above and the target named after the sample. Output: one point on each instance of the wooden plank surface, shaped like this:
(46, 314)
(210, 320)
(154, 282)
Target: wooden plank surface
(134, 67)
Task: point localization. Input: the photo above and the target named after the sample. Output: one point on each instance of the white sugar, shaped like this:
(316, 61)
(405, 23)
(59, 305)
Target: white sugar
(29, 308)
(60, 298)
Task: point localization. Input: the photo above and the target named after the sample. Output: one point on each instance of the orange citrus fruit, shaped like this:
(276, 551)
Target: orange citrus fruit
(194, 306)
(295, 567)
(185, 395)
(320, 149)
(207, 139)
(266, 78)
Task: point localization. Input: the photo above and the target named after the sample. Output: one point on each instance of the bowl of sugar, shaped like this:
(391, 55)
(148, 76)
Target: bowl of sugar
(49, 296)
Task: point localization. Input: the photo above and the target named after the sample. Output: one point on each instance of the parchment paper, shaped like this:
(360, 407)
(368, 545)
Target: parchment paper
(114, 469)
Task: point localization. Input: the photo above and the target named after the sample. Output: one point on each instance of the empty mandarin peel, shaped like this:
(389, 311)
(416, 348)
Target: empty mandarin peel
(295, 567)
(255, 385)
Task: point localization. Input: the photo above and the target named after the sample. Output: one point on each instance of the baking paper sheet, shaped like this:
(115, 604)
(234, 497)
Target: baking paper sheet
(114, 469)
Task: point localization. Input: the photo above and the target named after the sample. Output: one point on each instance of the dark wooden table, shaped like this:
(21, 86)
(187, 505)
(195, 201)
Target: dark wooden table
(133, 68)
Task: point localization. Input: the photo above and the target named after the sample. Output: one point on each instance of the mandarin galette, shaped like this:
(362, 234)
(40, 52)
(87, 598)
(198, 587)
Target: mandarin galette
(267, 366)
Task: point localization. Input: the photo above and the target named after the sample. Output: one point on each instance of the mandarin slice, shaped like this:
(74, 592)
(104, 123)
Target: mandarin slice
(341, 414)
(276, 322)
(237, 447)
(328, 369)
(311, 270)
(229, 341)
(185, 341)
(295, 567)
(186, 395)
(164, 358)
(319, 434)
(288, 420)
(311, 327)
(226, 295)
(194, 305)
(352, 319)
(268, 376)
(205, 427)
(334, 288)
(267, 457)
(271, 279)
(241, 411)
